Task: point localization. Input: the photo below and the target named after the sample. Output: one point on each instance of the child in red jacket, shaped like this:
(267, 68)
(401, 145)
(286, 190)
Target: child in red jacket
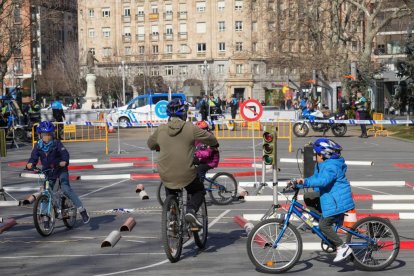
(208, 157)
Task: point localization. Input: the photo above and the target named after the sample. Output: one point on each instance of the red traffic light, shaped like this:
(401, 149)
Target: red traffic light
(268, 137)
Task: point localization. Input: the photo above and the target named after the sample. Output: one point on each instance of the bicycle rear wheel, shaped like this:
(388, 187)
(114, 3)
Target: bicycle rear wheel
(223, 188)
(44, 220)
(200, 237)
(374, 257)
(161, 194)
(260, 246)
(69, 212)
(171, 229)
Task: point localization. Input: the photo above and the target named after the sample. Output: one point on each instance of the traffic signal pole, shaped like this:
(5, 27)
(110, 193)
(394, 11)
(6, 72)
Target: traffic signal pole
(274, 168)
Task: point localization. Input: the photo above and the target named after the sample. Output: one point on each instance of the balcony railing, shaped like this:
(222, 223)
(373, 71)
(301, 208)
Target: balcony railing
(126, 38)
(155, 36)
(140, 37)
(182, 35)
(126, 19)
(182, 15)
(140, 17)
(168, 36)
(168, 15)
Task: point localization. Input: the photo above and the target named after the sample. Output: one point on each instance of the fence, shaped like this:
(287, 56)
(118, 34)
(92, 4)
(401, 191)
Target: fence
(95, 131)
(378, 128)
(240, 129)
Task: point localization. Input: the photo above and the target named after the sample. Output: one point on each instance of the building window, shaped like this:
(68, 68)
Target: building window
(221, 5)
(222, 47)
(154, 9)
(254, 47)
(141, 50)
(169, 70)
(271, 25)
(201, 47)
(256, 69)
(200, 27)
(127, 12)
(254, 26)
(354, 46)
(155, 49)
(155, 71)
(239, 26)
(128, 51)
(106, 32)
(127, 31)
(168, 9)
(220, 68)
(239, 68)
(169, 48)
(169, 29)
(221, 26)
(183, 69)
(154, 30)
(91, 32)
(106, 12)
(201, 6)
(140, 11)
(238, 5)
(239, 46)
(91, 12)
(106, 52)
(184, 49)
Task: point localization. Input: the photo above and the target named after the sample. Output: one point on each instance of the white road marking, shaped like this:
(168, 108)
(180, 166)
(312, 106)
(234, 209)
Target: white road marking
(100, 189)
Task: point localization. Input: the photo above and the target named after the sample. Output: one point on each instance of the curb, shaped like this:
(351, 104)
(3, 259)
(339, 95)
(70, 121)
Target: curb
(118, 159)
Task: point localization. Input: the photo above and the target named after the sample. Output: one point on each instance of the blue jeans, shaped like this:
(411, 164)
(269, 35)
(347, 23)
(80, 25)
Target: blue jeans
(66, 189)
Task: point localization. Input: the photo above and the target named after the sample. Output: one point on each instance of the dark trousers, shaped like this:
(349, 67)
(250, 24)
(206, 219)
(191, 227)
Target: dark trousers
(363, 115)
(197, 192)
(325, 224)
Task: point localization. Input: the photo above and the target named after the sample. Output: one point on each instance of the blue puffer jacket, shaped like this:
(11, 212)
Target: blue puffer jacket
(335, 190)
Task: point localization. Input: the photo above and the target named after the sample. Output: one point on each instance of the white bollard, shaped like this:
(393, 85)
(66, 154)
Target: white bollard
(143, 195)
(112, 239)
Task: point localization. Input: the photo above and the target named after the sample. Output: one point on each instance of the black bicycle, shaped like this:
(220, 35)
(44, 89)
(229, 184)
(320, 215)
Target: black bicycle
(52, 205)
(176, 231)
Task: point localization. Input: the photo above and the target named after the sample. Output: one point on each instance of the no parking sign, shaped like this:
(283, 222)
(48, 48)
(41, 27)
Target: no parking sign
(251, 110)
(161, 109)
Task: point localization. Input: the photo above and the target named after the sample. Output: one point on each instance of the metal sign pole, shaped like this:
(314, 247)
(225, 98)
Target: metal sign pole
(275, 180)
(254, 157)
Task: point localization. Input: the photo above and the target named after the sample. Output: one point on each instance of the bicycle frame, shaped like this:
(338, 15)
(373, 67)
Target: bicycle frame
(298, 209)
(219, 186)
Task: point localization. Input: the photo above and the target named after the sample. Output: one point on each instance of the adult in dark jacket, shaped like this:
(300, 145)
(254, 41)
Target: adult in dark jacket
(55, 158)
(58, 114)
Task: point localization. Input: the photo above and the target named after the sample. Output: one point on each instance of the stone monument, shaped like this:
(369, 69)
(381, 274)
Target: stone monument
(91, 98)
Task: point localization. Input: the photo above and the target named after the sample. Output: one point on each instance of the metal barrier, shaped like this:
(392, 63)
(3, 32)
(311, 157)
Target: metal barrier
(75, 133)
(377, 128)
(240, 129)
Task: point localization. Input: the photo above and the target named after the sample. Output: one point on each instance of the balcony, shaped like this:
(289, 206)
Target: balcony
(126, 38)
(140, 17)
(168, 15)
(154, 17)
(140, 37)
(183, 35)
(126, 19)
(168, 36)
(155, 36)
(201, 54)
(167, 56)
(182, 15)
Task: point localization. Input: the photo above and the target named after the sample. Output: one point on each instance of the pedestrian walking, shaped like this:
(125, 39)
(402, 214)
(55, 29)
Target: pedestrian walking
(361, 108)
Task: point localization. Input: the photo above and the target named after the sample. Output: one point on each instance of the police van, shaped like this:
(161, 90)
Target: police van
(140, 111)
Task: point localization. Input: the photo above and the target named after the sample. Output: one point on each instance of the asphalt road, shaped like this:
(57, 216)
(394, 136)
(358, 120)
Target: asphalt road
(139, 252)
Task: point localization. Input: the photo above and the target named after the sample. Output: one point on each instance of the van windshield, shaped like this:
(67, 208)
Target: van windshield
(140, 102)
(156, 99)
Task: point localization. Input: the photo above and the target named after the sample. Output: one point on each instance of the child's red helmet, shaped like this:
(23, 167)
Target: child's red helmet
(202, 125)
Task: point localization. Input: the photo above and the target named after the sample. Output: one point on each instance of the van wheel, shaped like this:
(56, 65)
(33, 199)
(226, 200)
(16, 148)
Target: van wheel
(123, 121)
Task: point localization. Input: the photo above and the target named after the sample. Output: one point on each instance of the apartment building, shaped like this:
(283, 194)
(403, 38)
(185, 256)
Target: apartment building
(224, 44)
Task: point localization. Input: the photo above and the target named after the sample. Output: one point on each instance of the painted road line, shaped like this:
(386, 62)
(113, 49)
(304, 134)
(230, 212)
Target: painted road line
(404, 165)
(399, 206)
(241, 159)
(406, 215)
(21, 189)
(23, 163)
(353, 183)
(9, 203)
(112, 165)
(105, 177)
(360, 197)
(391, 216)
(123, 159)
(300, 161)
(80, 167)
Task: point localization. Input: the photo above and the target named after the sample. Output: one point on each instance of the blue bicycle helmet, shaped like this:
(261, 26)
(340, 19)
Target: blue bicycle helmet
(45, 126)
(328, 148)
(177, 108)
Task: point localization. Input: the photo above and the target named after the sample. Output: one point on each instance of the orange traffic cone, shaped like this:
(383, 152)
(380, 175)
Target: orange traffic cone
(349, 220)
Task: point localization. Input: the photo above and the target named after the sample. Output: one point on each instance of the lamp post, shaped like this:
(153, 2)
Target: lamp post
(123, 67)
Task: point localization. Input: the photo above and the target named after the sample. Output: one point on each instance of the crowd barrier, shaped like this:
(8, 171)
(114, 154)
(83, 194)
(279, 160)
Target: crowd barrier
(93, 131)
(378, 128)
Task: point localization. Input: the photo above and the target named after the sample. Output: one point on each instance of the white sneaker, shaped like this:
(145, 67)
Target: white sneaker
(342, 253)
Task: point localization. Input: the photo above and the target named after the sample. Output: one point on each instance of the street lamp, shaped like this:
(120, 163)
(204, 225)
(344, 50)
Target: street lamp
(122, 68)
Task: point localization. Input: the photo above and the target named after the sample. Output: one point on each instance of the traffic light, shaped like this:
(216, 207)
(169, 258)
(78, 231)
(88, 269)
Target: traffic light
(269, 148)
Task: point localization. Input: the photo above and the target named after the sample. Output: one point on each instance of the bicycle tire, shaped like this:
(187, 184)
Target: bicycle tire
(263, 241)
(161, 194)
(200, 237)
(39, 215)
(383, 232)
(225, 181)
(69, 212)
(171, 229)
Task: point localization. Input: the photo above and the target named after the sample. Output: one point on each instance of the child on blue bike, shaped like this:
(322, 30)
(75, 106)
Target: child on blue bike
(208, 157)
(334, 188)
(54, 155)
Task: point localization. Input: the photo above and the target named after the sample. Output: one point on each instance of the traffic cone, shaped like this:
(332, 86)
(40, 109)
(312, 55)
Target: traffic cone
(349, 220)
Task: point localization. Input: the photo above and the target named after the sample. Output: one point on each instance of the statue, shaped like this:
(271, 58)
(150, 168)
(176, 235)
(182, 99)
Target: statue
(90, 62)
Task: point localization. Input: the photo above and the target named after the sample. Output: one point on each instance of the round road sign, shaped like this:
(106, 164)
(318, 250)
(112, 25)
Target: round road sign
(161, 109)
(251, 110)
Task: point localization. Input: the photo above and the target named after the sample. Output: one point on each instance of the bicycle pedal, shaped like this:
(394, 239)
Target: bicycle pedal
(195, 229)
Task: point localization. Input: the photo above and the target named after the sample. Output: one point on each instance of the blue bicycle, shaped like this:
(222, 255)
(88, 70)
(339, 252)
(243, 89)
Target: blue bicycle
(274, 245)
(52, 205)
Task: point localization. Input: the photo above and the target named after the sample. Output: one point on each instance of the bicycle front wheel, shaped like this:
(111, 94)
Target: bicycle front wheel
(171, 229)
(161, 194)
(264, 256)
(69, 212)
(382, 253)
(44, 219)
(223, 188)
(200, 237)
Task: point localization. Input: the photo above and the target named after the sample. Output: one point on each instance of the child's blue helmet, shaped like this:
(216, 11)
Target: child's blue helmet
(328, 148)
(177, 108)
(45, 126)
